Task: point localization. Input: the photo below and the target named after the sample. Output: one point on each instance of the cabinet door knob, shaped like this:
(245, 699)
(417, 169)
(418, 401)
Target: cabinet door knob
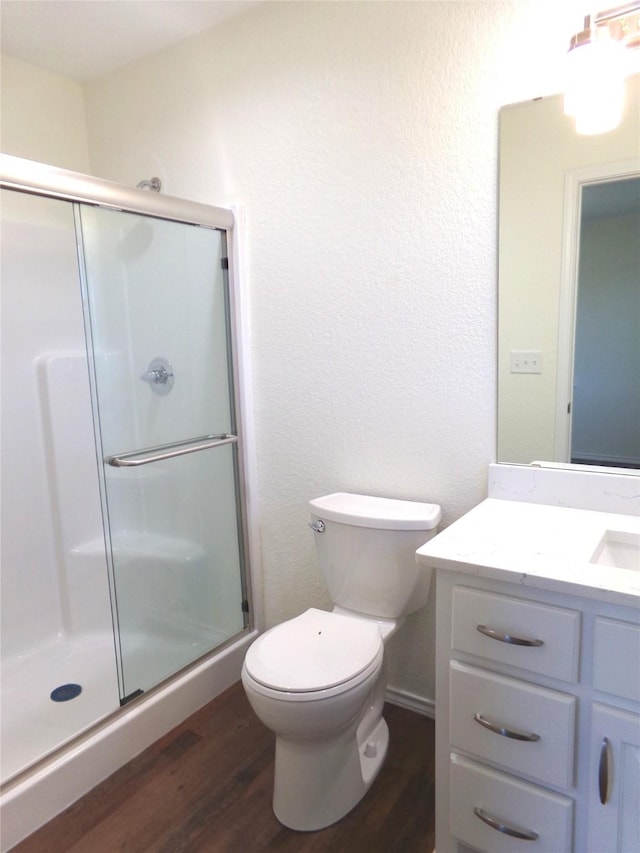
(507, 829)
(501, 730)
(494, 634)
(603, 771)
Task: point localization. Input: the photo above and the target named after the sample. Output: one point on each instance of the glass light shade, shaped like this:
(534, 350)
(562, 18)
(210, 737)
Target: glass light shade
(594, 92)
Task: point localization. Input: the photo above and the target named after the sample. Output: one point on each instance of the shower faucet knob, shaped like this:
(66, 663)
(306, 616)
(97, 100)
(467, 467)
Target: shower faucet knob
(159, 376)
(155, 377)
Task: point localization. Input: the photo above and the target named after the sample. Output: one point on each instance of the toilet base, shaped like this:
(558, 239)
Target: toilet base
(318, 783)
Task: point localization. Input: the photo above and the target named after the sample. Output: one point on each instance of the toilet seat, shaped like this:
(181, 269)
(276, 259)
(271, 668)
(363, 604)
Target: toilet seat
(316, 651)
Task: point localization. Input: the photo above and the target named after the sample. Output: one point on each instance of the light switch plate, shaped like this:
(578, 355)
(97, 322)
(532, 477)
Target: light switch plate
(526, 361)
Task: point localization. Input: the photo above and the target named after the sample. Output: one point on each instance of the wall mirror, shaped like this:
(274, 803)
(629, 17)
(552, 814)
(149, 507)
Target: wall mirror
(569, 288)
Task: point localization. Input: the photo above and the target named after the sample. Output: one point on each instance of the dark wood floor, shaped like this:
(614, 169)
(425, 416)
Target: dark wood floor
(207, 786)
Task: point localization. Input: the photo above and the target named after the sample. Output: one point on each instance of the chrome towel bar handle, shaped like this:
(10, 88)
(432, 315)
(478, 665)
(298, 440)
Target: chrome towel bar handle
(134, 458)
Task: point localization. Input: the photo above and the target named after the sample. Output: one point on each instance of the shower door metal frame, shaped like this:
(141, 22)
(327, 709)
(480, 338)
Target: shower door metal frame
(29, 176)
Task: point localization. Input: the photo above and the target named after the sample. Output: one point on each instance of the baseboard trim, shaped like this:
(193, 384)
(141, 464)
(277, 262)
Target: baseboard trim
(411, 701)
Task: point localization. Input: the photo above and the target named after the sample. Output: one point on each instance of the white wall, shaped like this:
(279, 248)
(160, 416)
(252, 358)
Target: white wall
(42, 116)
(360, 140)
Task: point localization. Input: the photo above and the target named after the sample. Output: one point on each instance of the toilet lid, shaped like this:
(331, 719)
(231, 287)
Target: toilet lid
(313, 651)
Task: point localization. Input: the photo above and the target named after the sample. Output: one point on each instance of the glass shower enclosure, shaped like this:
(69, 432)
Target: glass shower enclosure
(157, 311)
(148, 357)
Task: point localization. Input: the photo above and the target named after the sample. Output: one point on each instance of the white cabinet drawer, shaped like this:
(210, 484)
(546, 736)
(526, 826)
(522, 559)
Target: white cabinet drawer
(535, 727)
(616, 658)
(507, 802)
(526, 634)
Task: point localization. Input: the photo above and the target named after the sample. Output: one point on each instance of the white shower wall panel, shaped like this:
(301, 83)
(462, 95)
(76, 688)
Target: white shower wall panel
(73, 470)
(41, 313)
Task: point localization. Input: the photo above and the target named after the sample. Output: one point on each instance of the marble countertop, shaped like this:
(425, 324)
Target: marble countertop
(545, 547)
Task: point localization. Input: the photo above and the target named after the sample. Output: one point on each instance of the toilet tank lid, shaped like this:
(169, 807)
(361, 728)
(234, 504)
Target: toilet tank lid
(381, 513)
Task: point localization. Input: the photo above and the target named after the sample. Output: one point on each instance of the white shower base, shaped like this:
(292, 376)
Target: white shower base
(32, 724)
(90, 661)
(33, 797)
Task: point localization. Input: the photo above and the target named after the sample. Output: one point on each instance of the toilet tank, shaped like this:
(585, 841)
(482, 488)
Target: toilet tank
(366, 551)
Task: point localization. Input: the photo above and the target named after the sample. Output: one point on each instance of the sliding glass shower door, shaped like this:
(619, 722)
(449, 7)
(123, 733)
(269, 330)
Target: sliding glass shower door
(157, 317)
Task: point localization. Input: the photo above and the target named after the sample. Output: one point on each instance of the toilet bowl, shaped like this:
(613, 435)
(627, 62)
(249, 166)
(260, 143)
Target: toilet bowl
(318, 680)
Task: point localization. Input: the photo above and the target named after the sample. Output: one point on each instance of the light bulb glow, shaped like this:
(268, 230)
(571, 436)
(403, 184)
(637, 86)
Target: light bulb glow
(594, 92)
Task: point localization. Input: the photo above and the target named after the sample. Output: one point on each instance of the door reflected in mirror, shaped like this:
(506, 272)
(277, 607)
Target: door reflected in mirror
(569, 288)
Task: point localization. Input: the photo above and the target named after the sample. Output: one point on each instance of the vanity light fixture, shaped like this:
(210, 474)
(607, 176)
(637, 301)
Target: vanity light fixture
(596, 68)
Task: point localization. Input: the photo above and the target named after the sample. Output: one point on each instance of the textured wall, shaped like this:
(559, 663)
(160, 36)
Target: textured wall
(360, 140)
(42, 116)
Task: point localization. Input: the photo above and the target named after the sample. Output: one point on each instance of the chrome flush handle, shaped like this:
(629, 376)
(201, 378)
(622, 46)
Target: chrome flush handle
(317, 526)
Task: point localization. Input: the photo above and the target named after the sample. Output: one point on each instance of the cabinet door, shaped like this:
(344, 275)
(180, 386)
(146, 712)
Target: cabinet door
(614, 777)
(616, 658)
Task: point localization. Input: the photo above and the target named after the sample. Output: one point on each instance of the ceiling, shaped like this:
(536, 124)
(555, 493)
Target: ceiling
(83, 39)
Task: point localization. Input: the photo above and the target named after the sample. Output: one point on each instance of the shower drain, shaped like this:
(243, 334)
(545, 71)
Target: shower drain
(66, 692)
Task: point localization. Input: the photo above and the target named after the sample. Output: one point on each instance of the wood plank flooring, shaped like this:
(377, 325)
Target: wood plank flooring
(206, 787)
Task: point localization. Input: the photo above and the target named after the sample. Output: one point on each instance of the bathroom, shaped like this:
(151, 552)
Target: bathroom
(360, 141)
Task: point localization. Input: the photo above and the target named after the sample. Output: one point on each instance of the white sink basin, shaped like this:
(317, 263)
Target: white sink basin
(618, 549)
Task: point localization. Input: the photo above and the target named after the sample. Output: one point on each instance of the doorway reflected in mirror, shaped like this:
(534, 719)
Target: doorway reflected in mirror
(605, 406)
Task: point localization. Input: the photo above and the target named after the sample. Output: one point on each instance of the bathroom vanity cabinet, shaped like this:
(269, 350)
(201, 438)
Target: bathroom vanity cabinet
(537, 693)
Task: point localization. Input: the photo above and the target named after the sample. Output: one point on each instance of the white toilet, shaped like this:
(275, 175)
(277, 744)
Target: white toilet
(318, 680)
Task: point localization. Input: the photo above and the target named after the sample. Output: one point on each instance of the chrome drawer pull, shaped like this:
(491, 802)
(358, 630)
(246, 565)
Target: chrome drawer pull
(500, 730)
(507, 638)
(603, 771)
(513, 831)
